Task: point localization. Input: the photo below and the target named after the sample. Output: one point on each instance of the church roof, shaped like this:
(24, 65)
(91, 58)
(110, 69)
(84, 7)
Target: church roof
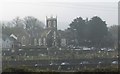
(45, 33)
(12, 35)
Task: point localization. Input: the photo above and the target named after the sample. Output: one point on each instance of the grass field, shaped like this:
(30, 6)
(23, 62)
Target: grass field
(63, 54)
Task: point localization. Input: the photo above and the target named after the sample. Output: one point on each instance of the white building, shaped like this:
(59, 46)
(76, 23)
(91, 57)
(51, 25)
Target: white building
(7, 41)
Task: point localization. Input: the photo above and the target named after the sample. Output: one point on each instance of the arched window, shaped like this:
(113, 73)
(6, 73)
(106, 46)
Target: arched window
(40, 41)
(44, 41)
(54, 23)
(49, 23)
(35, 41)
(23, 40)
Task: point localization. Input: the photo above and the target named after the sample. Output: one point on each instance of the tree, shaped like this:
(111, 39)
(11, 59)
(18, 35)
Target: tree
(114, 34)
(119, 35)
(17, 25)
(97, 30)
(17, 30)
(33, 26)
(77, 28)
(17, 22)
(89, 32)
(6, 29)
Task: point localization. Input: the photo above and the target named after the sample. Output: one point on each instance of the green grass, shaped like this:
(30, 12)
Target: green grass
(30, 69)
(67, 55)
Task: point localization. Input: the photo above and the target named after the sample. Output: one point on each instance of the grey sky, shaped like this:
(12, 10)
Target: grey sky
(65, 11)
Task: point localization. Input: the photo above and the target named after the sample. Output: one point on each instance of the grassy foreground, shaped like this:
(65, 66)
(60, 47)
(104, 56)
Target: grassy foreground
(31, 70)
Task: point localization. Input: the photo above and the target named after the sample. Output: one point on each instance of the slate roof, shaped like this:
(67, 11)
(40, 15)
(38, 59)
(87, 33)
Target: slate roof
(45, 33)
(4, 37)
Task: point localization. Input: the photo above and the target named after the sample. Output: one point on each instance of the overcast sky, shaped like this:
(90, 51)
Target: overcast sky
(65, 10)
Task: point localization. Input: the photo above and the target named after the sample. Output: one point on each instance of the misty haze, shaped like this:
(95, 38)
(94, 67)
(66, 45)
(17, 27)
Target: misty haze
(59, 37)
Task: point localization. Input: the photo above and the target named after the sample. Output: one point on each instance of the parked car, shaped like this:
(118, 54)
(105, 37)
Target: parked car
(64, 63)
(115, 62)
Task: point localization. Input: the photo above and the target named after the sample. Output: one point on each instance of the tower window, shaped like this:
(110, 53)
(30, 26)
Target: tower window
(54, 23)
(49, 23)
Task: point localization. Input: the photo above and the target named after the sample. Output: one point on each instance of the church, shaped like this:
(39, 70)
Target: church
(50, 36)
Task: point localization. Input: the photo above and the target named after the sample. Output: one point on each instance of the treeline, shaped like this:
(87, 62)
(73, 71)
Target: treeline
(92, 33)
(28, 27)
(81, 32)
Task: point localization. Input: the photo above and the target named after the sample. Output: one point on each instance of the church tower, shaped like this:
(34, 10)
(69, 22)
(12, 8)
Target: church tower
(51, 25)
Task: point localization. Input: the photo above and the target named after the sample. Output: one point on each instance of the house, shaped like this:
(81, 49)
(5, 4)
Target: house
(22, 37)
(8, 41)
(16, 43)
